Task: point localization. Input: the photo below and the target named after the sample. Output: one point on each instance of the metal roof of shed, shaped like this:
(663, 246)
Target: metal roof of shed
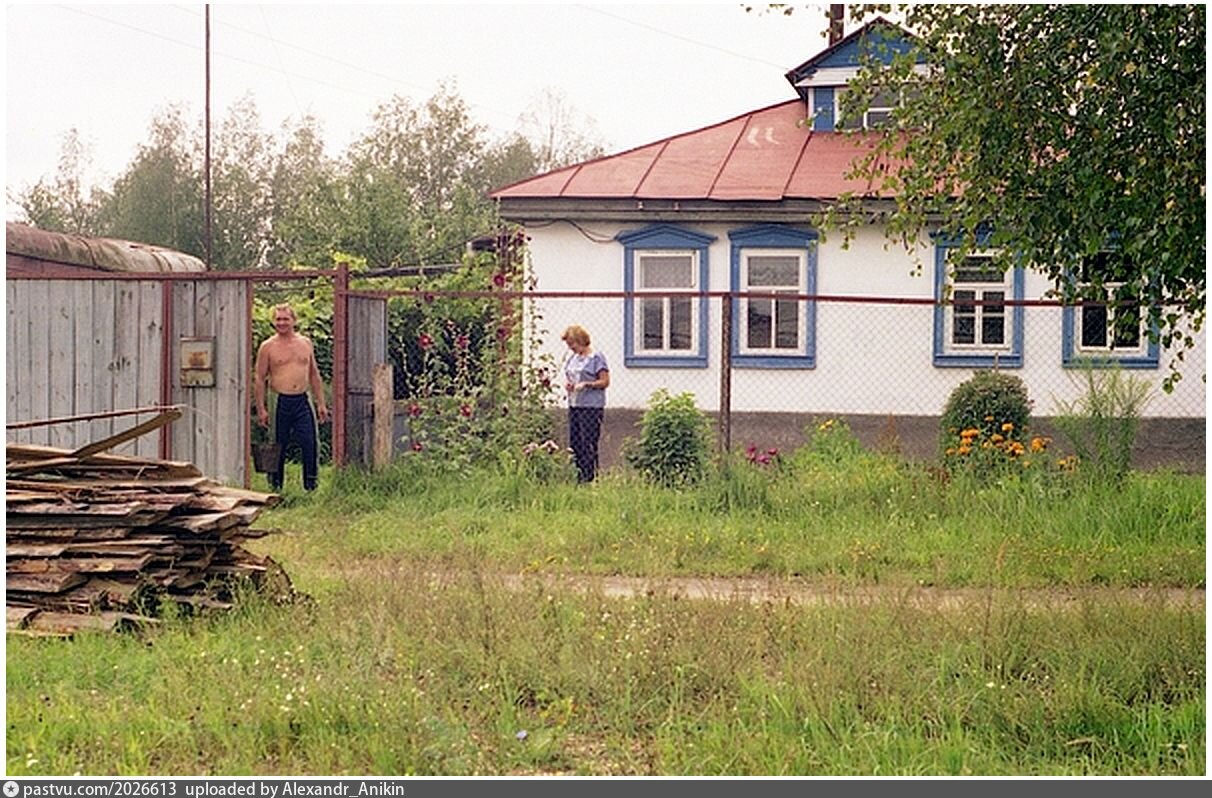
(37, 250)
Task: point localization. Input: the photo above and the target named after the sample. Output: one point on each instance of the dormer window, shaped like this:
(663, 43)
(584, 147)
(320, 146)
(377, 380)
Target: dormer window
(877, 114)
(821, 81)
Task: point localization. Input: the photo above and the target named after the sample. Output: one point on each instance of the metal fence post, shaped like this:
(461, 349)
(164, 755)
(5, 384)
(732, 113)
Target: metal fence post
(340, 332)
(725, 418)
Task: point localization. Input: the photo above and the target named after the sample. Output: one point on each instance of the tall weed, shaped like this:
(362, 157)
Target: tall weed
(1102, 423)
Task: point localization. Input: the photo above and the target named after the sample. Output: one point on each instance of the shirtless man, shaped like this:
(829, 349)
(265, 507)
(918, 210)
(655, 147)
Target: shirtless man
(287, 361)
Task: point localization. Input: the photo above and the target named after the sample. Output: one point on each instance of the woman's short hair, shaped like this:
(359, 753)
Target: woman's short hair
(576, 334)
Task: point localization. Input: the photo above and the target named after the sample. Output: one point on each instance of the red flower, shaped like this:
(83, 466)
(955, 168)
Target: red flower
(416, 446)
(498, 279)
(425, 342)
(414, 410)
(462, 342)
(465, 410)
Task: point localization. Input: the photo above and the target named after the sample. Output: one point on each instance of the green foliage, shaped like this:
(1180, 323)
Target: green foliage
(1068, 128)
(159, 198)
(674, 446)
(411, 190)
(990, 402)
(470, 390)
(1102, 423)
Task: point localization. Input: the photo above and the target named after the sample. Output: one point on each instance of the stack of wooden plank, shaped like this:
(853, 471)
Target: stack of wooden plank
(102, 539)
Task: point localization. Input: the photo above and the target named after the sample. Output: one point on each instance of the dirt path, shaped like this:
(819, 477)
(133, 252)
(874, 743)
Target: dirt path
(802, 592)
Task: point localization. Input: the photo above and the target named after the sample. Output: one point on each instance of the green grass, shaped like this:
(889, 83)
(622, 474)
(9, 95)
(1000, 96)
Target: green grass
(414, 655)
(396, 672)
(872, 519)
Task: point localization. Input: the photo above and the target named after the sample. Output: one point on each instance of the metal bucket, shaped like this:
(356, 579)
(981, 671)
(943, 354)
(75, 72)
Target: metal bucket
(265, 457)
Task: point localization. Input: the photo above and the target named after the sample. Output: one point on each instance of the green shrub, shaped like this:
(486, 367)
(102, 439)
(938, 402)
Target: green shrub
(992, 403)
(830, 442)
(674, 446)
(1103, 422)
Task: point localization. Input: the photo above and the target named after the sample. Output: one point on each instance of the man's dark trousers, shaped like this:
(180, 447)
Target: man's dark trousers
(294, 419)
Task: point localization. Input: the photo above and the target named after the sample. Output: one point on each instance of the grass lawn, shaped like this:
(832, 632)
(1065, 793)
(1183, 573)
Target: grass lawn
(415, 654)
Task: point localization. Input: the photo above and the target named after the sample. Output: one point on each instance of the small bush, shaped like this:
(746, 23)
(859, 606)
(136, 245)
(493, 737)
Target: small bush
(831, 442)
(991, 403)
(1103, 422)
(674, 446)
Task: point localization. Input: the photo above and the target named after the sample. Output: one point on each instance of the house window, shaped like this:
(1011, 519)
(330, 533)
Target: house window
(1106, 333)
(666, 323)
(975, 326)
(977, 317)
(877, 114)
(665, 311)
(769, 331)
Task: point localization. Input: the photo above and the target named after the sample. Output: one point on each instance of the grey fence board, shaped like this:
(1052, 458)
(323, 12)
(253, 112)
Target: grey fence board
(126, 356)
(17, 360)
(83, 342)
(367, 346)
(62, 344)
(102, 357)
(183, 436)
(151, 344)
(232, 372)
(39, 358)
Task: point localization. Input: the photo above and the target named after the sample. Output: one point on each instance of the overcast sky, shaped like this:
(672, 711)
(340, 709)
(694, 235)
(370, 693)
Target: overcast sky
(641, 73)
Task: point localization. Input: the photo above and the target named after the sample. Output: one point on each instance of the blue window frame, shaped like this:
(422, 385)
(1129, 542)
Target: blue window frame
(1107, 335)
(973, 325)
(668, 327)
(769, 332)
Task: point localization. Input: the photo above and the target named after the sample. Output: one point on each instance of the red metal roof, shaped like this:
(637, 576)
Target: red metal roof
(768, 154)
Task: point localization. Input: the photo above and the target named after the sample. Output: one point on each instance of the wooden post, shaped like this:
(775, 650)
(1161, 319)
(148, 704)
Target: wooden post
(384, 416)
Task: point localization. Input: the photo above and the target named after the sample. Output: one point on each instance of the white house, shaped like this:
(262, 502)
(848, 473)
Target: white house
(726, 209)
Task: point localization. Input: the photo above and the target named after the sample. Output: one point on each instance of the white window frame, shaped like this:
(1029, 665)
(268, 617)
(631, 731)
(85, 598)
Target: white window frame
(666, 317)
(886, 110)
(801, 288)
(1005, 286)
(1109, 347)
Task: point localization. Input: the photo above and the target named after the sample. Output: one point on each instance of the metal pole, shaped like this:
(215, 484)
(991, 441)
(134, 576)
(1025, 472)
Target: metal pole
(208, 234)
(340, 352)
(725, 421)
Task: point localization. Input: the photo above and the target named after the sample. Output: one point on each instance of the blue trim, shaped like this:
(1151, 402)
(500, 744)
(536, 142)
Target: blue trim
(1010, 359)
(822, 109)
(773, 236)
(657, 237)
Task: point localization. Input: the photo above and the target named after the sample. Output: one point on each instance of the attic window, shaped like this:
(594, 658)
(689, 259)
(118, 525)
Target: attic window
(877, 115)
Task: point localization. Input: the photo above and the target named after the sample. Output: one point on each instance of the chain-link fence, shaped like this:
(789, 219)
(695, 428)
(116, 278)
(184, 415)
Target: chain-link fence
(767, 365)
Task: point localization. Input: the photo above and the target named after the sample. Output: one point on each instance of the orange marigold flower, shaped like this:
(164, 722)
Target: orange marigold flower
(1008, 427)
(996, 438)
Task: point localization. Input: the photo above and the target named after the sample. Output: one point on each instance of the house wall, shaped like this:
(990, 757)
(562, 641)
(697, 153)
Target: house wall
(871, 359)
